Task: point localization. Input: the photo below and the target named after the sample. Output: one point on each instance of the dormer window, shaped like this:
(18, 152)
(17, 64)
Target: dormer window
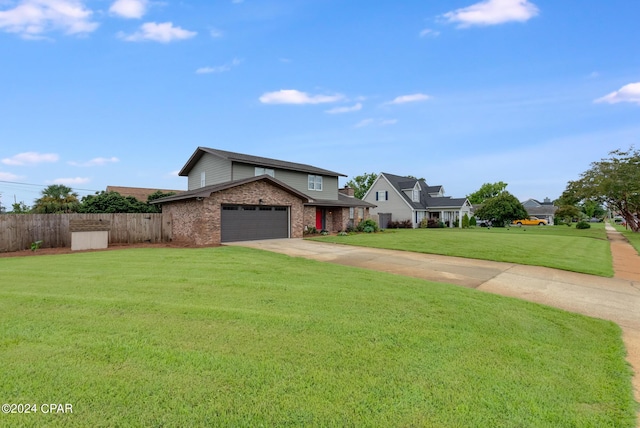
(415, 194)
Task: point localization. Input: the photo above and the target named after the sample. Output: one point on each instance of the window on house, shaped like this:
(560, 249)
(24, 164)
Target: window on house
(351, 210)
(202, 179)
(360, 213)
(382, 195)
(262, 171)
(315, 182)
(416, 195)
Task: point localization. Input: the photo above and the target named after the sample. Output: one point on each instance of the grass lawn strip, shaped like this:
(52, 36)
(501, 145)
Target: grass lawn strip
(560, 247)
(632, 237)
(233, 336)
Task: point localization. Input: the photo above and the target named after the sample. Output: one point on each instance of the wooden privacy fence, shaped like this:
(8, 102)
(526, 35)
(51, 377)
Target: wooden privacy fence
(18, 231)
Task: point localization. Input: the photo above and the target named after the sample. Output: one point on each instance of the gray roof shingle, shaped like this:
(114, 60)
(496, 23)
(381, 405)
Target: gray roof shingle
(426, 201)
(254, 160)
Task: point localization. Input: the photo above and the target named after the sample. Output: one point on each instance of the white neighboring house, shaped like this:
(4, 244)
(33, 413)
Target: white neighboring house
(401, 198)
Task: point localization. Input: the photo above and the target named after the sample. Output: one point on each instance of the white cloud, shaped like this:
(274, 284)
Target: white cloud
(338, 110)
(216, 33)
(70, 181)
(385, 122)
(375, 122)
(132, 9)
(628, 93)
(32, 18)
(30, 158)
(219, 68)
(163, 33)
(292, 96)
(96, 162)
(429, 32)
(364, 122)
(7, 176)
(403, 99)
(492, 12)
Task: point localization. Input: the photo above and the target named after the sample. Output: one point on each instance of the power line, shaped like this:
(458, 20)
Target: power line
(43, 186)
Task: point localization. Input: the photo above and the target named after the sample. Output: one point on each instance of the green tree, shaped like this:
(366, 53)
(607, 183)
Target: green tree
(56, 198)
(592, 209)
(465, 221)
(113, 202)
(501, 209)
(157, 208)
(614, 182)
(566, 213)
(362, 183)
(487, 191)
(20, 208)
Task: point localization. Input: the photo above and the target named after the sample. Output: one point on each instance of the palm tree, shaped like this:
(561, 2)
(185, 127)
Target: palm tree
(56, 198)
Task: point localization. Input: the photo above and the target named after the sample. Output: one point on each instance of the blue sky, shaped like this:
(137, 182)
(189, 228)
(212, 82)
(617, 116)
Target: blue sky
(459, 92)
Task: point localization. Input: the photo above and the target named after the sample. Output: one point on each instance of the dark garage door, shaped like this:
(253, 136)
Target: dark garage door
(251, 222)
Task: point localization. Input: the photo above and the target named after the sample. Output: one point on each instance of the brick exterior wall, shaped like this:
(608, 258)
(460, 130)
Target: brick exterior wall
(336, 218)
(198, 222)
(188, 224)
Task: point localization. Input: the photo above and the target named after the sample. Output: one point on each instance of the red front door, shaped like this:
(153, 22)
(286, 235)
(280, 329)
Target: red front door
(319, 219)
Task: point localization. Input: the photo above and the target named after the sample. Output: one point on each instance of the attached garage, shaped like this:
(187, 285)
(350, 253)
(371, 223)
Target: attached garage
(242, 210)
(253, 222)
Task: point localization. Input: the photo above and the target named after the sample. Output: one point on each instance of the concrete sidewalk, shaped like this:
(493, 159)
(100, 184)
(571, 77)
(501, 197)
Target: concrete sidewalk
(614, 299)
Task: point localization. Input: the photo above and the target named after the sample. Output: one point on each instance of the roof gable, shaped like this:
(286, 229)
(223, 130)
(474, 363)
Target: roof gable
(254, 160)
(427, 200)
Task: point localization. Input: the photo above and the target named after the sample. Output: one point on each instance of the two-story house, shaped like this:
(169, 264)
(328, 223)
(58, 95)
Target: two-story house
(399, 198)
(237, 197)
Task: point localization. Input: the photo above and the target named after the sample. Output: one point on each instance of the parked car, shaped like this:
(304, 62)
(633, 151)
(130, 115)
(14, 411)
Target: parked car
(531, 221)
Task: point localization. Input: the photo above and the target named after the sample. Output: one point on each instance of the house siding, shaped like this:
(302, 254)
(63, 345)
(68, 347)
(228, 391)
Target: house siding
(241, 171)
(216, 171)
(395, 204)
(297, 180)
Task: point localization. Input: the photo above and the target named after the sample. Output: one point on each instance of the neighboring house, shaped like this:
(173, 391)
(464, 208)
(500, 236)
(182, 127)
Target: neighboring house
(236, 197)
(140, 193)
(401, 198)
(544, 210)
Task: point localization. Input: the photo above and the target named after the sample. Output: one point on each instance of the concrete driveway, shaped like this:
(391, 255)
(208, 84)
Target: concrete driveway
(617, 300)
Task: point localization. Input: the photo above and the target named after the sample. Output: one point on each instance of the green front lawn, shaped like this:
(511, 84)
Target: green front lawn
(559, 247)
(237, 337)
